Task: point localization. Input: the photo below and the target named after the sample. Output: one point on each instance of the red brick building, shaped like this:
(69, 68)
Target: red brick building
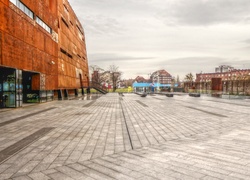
(234, 81)
(42, 52)
(141, 79)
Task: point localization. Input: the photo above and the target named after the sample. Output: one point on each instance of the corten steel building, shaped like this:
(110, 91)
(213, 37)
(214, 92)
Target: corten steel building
(42, 52)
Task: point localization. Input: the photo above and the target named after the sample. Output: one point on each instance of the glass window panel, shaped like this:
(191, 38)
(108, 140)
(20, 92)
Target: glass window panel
(38, 20)
(31, 15)
(21, 6)
(18, 4)
(43, 24)
(26, 10)
(47, 29)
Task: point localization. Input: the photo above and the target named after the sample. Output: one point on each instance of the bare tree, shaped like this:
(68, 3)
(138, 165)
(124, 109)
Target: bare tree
(100, 77)
(95, 74)
(95, 68)
(178, 81)
(189, 78)
(115, 75)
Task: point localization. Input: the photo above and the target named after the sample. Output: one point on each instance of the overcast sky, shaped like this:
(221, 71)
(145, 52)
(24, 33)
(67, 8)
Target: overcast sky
(180, 36)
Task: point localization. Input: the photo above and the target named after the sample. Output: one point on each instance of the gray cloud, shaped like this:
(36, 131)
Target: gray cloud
(131, 34)
(109, 57)
(206, 12)
(182, 66)
(102, 25)
(247, 41)
(190, 61)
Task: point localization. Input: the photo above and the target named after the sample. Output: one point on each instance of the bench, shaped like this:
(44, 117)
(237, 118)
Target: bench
(170, 95)
(195, 94)
(143, 94)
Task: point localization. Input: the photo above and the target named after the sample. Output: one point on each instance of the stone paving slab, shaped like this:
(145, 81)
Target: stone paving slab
(130, 137)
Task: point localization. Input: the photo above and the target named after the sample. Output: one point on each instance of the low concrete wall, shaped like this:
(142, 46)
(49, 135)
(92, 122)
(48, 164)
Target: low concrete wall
(226, 96)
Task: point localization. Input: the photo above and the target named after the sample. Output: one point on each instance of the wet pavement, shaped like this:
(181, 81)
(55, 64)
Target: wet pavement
(127, 137)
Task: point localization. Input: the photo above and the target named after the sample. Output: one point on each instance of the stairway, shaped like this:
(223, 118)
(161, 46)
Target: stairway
(98, 87)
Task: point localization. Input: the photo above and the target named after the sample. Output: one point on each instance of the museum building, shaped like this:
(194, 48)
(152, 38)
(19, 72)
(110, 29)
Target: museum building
(42, 52)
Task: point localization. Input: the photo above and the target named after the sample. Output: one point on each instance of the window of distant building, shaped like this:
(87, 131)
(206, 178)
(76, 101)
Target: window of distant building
(43, 25)
(23, 7)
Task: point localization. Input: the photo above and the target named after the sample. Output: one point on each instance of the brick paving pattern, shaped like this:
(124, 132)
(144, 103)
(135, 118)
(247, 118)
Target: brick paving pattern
(128, 137)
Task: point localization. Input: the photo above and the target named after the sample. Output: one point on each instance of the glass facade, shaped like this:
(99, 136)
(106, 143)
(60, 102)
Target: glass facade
(16, 89)
(46, 96)
(19, 89)
(7, 88)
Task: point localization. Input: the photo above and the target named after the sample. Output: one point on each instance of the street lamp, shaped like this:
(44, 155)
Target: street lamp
(172, 84)
(156, 79)
(200, 85)
(158, 82)
(200, 81)
(206, 85)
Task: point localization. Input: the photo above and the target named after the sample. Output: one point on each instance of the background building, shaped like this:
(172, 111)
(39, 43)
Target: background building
(159, 80)
(42, 52)
(161, 76)
(231, 81)
(140, 79)
(105, 80)
(223, 68)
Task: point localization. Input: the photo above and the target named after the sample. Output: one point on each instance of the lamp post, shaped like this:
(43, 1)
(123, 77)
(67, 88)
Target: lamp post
(158, 82)
(200, 81)
(206, 85)
(231, 83)
(172, 84)
(156, 79)
(200, 85)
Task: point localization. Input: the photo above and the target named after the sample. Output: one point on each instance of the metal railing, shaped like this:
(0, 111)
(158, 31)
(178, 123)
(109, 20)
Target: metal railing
(221, 94)
(97, 86)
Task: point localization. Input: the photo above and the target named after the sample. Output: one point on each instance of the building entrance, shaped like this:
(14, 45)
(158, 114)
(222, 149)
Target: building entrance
(16, 88)
(29, 95)
(10, 88)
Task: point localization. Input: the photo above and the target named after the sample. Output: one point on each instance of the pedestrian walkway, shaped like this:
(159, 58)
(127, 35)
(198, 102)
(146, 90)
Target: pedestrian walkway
(127, 137)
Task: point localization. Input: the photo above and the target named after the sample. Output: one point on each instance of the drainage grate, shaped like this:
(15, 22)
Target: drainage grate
(89, 104)
(144, 105)
(215, 114)
(20, 145)
(23, 117)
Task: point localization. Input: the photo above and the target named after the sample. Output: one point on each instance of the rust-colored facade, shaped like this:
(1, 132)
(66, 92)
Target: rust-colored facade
(42, 52)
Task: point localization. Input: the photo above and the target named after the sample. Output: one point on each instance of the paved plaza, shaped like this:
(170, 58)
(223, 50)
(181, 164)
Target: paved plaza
(127, 137)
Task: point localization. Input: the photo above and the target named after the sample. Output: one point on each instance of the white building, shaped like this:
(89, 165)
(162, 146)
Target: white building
(223, 68)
